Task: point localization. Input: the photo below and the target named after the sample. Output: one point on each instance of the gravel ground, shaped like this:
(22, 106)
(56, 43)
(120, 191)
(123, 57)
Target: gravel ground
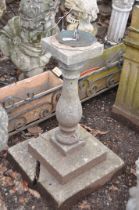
(121, 139)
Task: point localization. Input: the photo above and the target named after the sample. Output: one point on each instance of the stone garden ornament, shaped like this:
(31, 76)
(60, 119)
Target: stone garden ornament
(83, 14)
(133, 203)
(74, 163)
(2, 7)
(3, 129)
(21, 38)
(119, 18)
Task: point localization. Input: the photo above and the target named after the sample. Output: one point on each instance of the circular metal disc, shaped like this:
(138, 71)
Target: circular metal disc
(68, 38)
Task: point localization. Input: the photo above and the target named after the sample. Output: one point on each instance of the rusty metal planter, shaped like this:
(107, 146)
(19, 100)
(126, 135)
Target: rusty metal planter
(31, 100)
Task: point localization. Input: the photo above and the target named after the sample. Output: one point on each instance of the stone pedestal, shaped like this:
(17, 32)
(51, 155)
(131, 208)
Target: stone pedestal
(73, 162)
(127, 100)
(119, 18)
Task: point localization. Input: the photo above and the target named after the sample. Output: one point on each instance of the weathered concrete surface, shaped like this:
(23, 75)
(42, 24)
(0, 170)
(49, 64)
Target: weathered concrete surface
(67, 149)
(78, 173)
(69, 110)
(71, 55)
(127, 100)
(91, 154)
(63, 194)
(3, 129)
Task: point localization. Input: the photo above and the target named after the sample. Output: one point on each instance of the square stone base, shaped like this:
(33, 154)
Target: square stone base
(65, 168)
(73, 187)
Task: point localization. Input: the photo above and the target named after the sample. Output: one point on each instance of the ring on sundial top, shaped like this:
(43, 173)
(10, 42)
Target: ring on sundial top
(76, 38)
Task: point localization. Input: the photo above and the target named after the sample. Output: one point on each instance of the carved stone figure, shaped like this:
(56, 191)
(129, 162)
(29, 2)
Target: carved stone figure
(21, 38)
(3, 129)
(2, 7)
(133, 203)
(83, 14)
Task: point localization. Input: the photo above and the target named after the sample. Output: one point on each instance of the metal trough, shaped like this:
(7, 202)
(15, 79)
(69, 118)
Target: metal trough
(30, 100)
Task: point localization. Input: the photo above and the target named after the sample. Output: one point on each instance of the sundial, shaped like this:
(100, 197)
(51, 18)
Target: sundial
(76, 38)
(72, 160)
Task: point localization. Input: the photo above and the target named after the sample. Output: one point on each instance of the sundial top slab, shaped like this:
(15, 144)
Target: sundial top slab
(71, 55)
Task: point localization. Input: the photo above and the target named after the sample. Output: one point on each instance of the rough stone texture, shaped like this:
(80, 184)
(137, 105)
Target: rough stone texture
(67, 149)
(63, 194)
(2, 7)
(69, 109)
(83, 13)
(3, 129)
(72, 174)
(83, 159)
(20, 38)
(68, 176)
(71, 55)
(127, 100)
(119, 18)
(133, 203)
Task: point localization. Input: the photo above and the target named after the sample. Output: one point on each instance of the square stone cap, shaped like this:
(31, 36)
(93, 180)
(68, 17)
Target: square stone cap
(71, 55)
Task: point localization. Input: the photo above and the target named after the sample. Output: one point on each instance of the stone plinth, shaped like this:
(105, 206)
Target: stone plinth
(96, 174)
(72, 166)
(127, 100)
(73, 162)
